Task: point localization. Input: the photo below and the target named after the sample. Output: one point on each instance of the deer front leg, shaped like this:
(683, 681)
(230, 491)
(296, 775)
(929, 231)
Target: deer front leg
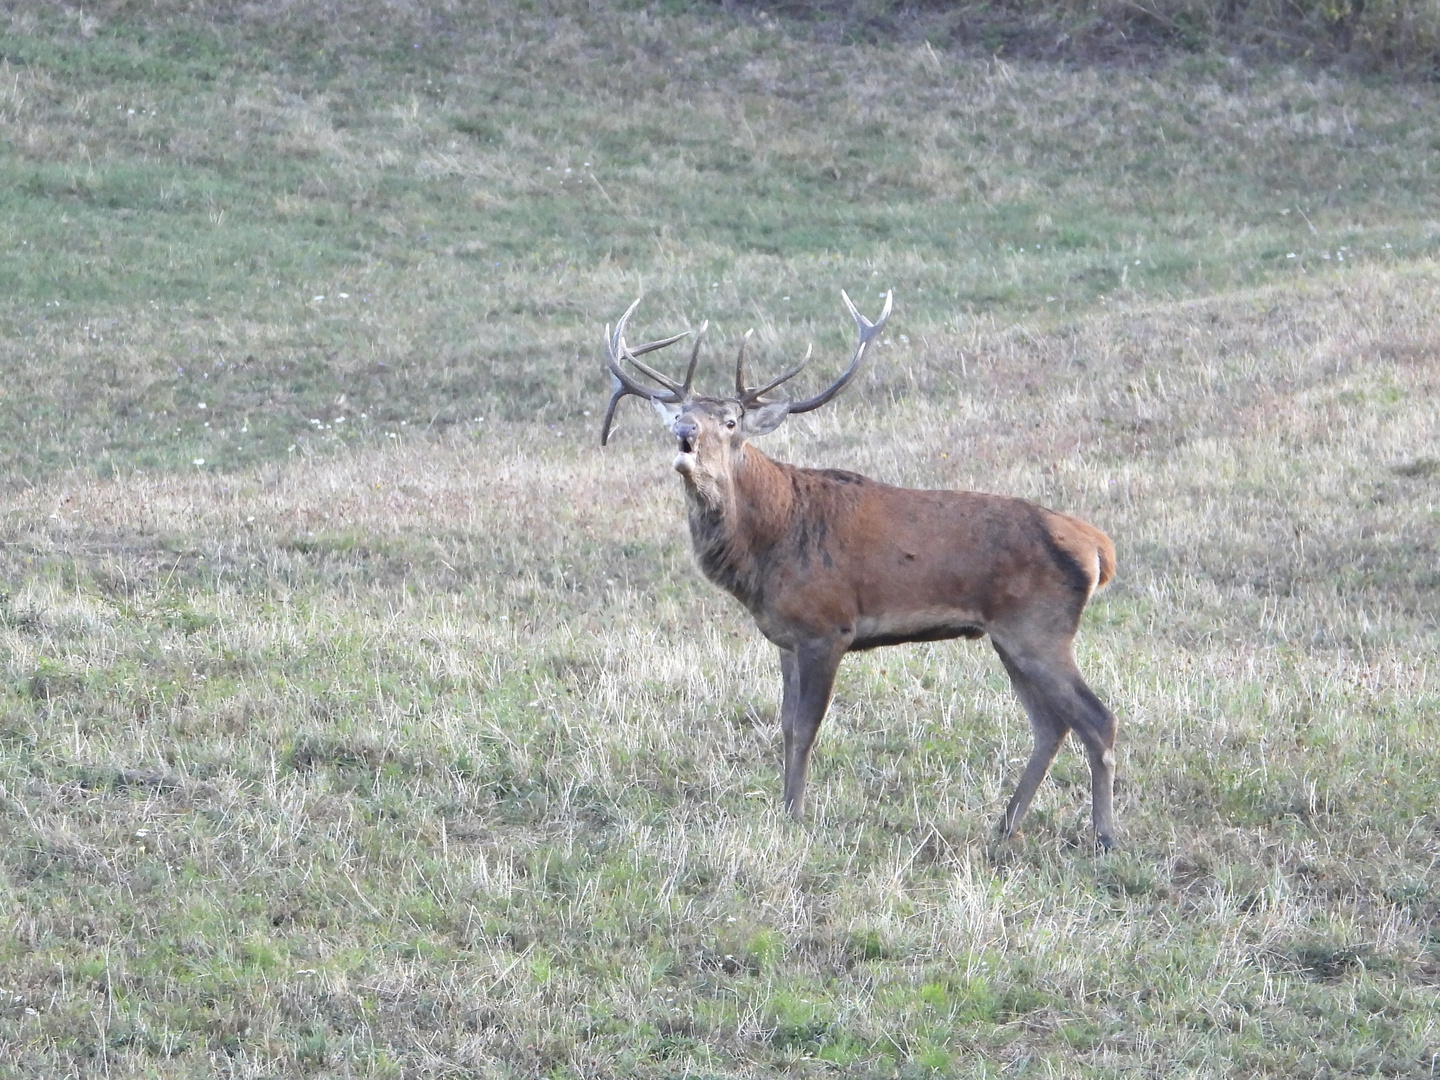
(809, 676)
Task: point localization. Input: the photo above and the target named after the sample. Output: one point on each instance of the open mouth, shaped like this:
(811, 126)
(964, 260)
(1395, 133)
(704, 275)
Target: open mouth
(685, 460)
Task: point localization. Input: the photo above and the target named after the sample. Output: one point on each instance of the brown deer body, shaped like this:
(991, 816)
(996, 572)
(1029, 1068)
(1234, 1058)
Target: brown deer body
(829, 562)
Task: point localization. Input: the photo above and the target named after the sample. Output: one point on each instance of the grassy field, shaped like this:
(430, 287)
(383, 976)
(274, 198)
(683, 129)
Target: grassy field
(361, 717)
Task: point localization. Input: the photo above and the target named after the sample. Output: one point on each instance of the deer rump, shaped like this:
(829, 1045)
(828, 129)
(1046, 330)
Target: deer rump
(829, 562)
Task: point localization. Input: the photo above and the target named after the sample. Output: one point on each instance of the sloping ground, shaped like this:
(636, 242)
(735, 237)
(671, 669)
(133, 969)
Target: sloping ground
(294, 214)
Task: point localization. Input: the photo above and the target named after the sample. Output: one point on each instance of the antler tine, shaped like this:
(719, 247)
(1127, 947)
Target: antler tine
(619, 350)
(740, 364)
(634, 354)
(651, 346)
(615, 343)
(618, 391)
(868, 332)
(755, 395)
(622, 384)
(694, 358)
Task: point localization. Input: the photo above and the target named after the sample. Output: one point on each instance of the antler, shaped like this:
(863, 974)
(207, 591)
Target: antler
(674, 393)
(623, 384)
(868, 332)
(752, 397)
(740, 364)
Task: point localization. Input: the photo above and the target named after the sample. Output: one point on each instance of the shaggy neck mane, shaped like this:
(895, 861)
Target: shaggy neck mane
(735, 522)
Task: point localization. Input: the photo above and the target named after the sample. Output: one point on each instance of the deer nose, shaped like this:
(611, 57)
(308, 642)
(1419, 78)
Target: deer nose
(686, 429)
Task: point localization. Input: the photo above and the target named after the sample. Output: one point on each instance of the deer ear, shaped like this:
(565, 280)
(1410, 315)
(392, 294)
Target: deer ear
(765, 419)
(669, 412)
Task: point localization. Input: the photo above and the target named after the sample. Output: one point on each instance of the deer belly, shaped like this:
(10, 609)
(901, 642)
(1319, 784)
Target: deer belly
(933, 624)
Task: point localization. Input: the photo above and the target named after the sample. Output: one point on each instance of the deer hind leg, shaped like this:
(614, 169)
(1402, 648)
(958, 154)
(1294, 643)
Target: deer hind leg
(1057, 700)
(1095, 726)
(809, 676)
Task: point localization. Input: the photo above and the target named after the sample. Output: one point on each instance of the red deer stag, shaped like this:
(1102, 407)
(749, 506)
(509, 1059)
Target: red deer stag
(829, 562)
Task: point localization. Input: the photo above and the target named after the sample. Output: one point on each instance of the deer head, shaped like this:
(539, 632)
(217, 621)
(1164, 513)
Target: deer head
(711, 432)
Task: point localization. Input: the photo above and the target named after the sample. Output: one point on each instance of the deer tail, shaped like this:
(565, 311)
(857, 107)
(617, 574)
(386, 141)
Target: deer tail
(1105, 560)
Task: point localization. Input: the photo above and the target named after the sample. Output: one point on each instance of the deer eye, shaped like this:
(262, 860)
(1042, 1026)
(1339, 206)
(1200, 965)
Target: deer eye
(729, 423)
